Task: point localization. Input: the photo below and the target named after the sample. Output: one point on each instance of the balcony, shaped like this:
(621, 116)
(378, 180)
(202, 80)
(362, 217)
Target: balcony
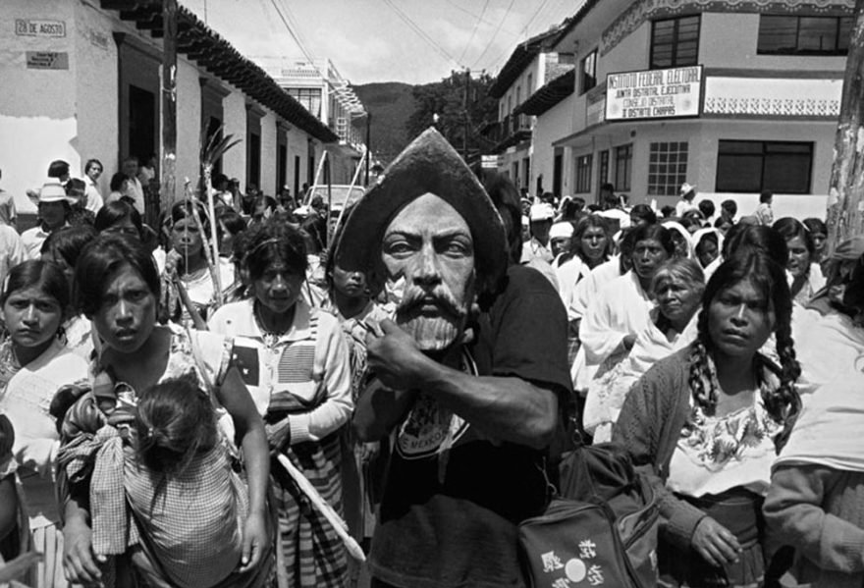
(514, 129)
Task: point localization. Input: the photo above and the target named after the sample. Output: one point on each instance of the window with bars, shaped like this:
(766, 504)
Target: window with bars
(603, 169)
(583, 173)
(675, 42)
(667, 167)
(589, 71)
(804, 35)
(623, 167)
(754, 166)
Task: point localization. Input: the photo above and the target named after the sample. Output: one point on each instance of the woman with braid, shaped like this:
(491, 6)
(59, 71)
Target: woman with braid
(707, 422)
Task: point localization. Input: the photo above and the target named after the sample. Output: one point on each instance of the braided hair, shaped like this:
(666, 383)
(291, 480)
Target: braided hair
(783, 403)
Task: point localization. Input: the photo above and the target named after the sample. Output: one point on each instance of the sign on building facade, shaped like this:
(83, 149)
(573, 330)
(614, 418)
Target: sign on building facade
(657, 93)
(39, 28)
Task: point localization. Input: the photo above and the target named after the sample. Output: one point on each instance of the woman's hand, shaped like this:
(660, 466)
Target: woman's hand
(715, 543)
(80, 564)
(279, 435)
(172, 264)
(255, 541)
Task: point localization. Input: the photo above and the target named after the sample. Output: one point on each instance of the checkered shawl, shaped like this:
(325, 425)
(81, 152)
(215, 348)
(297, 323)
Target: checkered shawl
(100, 457)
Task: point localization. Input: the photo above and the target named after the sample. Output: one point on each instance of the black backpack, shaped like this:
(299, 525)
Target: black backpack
(600, 530)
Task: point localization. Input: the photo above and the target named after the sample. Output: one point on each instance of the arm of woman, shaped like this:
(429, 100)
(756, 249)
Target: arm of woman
(793, 510)
(639, 429)
(333, 363)
(234, 396)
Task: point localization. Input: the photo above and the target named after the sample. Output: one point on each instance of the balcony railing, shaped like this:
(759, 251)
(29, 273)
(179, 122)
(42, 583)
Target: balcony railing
(513, 129)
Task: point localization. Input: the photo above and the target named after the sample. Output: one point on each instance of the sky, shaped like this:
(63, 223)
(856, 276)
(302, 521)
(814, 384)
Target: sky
(411, 41)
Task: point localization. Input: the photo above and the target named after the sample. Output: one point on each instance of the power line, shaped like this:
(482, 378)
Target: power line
(536, 12)
(420, 33)
(480, 18)
(474, 30)
(495, 34)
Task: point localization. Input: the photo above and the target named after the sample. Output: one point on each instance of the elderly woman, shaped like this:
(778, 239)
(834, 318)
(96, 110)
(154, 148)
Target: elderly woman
(298, 370)
(621, 309)
(706, 423)
(804, 274)
(677, 288)
(117, 287)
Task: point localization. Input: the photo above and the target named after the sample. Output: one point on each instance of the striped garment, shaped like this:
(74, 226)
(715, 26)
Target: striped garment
(303, 377)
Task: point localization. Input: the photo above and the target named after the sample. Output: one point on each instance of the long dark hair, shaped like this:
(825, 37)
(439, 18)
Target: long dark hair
(101, 259)
(175, 423)
(769, 279)
(589, 222)
(114, 213)
(35, 273)
(275, 240)
(69, 242)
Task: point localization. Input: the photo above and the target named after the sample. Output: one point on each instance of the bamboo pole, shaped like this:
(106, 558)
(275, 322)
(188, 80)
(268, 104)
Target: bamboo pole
(308, 197)
(845, 214)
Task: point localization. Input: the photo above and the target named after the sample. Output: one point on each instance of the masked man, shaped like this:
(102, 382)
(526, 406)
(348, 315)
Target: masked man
(470, 438)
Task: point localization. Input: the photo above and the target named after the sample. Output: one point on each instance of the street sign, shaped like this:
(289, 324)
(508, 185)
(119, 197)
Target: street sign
(47, 60)
(40, 28)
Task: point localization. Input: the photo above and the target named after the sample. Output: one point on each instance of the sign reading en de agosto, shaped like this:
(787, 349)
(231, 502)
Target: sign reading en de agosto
(656, 93)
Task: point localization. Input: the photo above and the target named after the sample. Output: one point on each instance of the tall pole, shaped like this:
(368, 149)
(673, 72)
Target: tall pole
(169, 104)
(465, 107)
(845, 213)
(368, 144)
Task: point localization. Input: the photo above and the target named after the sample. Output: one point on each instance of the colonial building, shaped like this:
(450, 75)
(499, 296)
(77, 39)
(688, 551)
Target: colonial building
(320, 87)
(733, 97)
(529, 67)
(82, 79)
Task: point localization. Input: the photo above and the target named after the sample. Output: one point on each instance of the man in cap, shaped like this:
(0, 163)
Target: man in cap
(469, 436)
(540, 216)
(54, 207)
(686, 204)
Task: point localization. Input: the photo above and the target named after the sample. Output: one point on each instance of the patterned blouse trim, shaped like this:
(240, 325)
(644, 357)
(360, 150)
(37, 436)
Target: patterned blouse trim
(713, 440)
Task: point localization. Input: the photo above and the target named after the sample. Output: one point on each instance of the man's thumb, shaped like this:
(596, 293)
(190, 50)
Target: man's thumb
(388, 326)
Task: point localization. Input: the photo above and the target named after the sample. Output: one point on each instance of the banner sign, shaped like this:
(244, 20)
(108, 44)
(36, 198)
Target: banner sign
(656, 93)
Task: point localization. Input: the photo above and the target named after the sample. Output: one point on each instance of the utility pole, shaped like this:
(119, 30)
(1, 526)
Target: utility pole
(845, 213)
(368, 143)
(169, 105)
(467, 118)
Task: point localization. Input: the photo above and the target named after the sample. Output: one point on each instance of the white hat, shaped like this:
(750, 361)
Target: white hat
(686, 188)
(561, 230)
(52, 191)
(541, 212)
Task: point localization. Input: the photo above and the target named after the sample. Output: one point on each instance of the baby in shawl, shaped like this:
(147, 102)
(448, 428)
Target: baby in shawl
(173, 467)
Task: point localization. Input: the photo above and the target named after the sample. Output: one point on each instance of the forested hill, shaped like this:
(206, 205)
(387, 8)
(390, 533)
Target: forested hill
(391, 104)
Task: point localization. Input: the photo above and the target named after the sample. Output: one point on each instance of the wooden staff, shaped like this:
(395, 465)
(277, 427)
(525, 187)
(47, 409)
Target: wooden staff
(323, 507)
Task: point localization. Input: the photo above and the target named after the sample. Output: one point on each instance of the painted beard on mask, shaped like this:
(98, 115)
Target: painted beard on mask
(434, 319)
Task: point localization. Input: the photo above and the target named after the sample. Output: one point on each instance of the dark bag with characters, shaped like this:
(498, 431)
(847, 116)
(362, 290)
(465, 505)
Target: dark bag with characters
(600, 531)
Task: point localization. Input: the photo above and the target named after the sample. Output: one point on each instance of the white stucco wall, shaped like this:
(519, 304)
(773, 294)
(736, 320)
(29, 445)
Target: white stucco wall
(268, 153)
(552, 125)
(234, 112)
(37, 118)
(96, 97)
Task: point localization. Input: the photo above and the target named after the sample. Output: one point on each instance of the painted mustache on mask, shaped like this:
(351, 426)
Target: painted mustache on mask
(414, 298)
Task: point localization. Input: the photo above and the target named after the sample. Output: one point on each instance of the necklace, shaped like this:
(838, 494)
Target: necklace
(271, 337)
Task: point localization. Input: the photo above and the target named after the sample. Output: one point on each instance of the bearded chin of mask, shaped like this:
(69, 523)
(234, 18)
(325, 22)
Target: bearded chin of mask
(436, 333)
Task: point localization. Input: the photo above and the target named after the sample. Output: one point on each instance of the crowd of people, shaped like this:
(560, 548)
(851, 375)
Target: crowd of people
(420, 367)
